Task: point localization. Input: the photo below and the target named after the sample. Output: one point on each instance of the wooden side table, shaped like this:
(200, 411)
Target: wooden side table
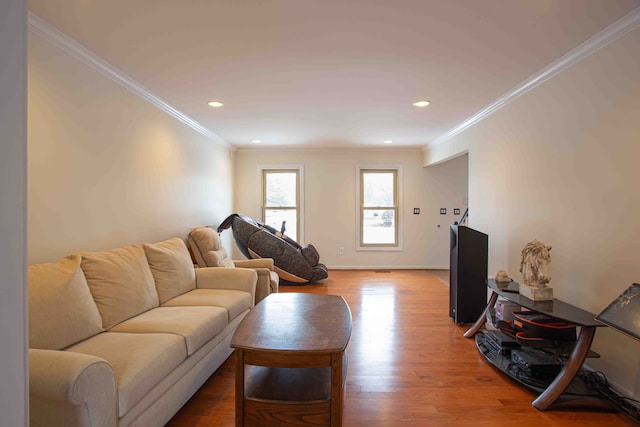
(291, 361)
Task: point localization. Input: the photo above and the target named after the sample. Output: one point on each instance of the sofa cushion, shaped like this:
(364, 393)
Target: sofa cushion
(234, 302)
(61, 309)
(139, 361)
(171, 266)
(196, 325)
(121, 283)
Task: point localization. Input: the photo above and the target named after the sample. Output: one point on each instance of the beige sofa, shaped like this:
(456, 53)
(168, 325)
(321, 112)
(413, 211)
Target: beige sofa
(125, 337)
(206, 246)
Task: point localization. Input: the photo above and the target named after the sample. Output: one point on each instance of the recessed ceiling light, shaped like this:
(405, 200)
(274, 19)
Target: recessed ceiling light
(422, 103)
(256, 141)
(388, 141)
(215, 104)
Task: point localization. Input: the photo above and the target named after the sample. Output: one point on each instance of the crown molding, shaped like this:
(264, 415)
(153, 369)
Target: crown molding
(48, 32)
(622, 26)
(328, 149)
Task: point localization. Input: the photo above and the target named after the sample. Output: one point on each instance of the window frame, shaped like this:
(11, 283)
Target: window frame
(299, 171)
(360, 208)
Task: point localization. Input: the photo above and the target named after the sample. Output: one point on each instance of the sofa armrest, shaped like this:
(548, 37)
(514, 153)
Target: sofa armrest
(240, 279)
(254, 263)
(263, 284)
(71, 389)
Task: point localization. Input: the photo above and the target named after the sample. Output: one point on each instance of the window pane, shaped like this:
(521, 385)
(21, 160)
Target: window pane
(378, 227)
(378, 189)
(280, 189)
(275, 218)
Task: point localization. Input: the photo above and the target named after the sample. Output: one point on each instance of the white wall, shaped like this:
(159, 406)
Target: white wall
(330, 202)
(107, 168)
(13, 208)
(562, 164)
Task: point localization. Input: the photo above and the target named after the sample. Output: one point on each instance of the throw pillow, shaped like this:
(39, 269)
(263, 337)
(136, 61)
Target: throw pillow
(171, 267)
(121, 283)
(61, 309)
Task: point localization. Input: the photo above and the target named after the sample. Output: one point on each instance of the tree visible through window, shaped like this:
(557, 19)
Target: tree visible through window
(281, 199)
(378, 207)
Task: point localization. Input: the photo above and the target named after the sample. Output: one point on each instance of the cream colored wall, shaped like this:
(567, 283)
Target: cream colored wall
(330, 202)
(14, 383)
(107, 168)
(562, 164)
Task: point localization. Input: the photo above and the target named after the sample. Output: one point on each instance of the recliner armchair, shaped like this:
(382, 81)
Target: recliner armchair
(206, 247)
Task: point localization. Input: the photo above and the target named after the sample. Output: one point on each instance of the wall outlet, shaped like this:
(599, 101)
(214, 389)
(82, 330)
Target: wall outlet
(340, 250)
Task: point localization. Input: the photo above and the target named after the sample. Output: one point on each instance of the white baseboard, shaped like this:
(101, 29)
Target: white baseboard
(388, 267)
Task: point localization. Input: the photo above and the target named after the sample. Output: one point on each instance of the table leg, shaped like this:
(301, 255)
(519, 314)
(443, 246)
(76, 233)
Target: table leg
(483, 317)
(337, 389)
(569, 370)
(239, 387)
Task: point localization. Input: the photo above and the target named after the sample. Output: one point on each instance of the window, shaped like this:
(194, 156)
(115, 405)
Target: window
(379, 208)
(281, 200)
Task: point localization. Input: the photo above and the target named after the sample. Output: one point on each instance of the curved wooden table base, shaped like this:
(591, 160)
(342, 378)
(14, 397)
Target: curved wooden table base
(569, 370)
(483, 317)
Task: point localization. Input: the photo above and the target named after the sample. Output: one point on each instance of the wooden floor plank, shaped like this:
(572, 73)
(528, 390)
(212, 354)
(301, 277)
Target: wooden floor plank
(408, 364)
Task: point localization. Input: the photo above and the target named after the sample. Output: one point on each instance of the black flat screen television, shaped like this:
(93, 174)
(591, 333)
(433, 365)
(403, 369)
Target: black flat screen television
(623, 313)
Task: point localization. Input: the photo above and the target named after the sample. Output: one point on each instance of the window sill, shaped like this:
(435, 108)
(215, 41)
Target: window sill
(379, 249)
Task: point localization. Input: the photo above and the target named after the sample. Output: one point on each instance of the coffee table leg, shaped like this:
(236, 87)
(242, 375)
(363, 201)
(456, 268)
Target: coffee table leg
(337, 389)
(239, 388)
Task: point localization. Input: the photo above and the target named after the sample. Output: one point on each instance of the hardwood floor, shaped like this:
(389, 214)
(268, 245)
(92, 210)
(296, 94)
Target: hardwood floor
(408, 364)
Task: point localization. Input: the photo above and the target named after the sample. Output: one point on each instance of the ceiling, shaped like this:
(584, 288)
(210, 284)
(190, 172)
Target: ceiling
(330, 73)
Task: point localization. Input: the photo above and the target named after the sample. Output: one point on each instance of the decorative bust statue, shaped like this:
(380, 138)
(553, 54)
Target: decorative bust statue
(534, 267)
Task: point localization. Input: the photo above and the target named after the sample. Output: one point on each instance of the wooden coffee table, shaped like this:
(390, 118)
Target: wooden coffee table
(291, 361)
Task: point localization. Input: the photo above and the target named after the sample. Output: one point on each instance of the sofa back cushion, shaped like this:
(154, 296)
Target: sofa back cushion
(207, 248)
(61, 309)
(172, 268)
(121, 283)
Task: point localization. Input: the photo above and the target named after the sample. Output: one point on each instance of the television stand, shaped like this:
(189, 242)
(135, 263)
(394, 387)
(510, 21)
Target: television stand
(559, 310)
